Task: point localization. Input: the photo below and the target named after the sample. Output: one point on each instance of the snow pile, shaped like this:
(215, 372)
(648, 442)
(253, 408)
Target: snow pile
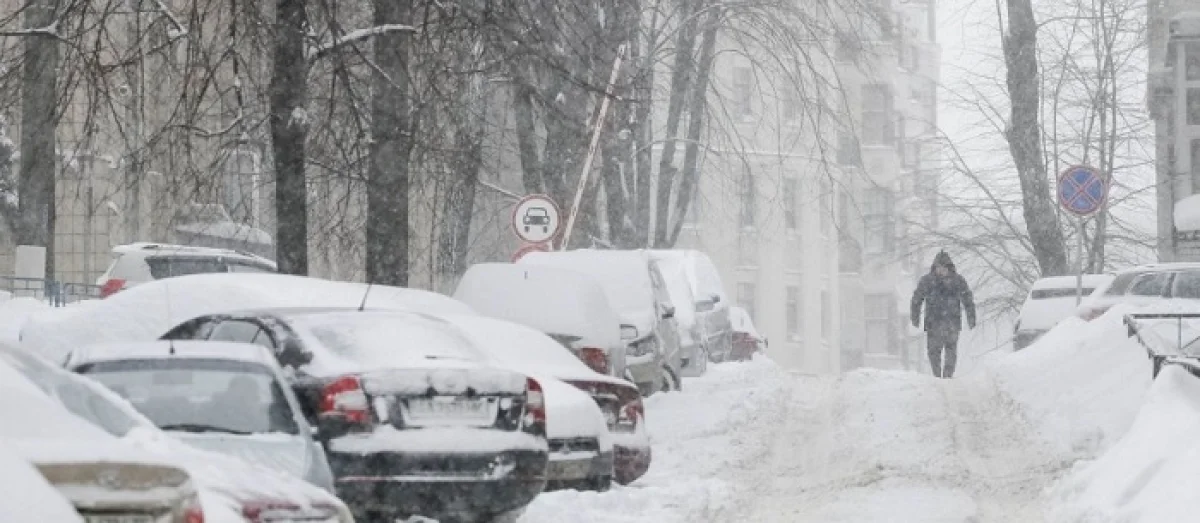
(1150, 475)
(147, 311)
(14, 313)
(1080, 384)
(704, 439)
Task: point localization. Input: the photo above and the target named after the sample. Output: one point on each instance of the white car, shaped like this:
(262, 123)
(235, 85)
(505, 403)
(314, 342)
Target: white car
(693, 349)
(1145, 285)
(712, 303)
(528, 351)
(566, 305)
(138, 263)
(222, 396)
(230, 489)
(1050, 300)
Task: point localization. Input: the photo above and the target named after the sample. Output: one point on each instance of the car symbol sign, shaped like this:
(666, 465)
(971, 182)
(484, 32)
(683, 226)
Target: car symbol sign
(536, 219)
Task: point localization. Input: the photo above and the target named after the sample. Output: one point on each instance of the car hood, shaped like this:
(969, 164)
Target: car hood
(571, 413)
(285, 453)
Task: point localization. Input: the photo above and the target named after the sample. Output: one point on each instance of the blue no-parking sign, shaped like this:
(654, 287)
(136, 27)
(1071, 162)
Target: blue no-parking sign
(1081, 190)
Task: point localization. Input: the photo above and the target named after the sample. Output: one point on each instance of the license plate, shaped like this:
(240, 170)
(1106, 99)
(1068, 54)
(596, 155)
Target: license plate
(448, 409)
(118, 518)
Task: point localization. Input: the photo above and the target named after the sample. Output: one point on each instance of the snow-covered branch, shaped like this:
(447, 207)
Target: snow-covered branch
(352, 37)
(49, 30)
(180, 30)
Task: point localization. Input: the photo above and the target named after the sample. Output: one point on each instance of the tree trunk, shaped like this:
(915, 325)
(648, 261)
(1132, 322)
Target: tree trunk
(1024, 139)
(682, 77)
(39, 116)
(459, 205)
(392, 142)
(691, 155)
(289, 132)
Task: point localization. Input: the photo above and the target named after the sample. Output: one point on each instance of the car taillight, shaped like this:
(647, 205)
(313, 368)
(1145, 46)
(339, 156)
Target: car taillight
(630, 414)
(262, 511)
(535, 406)
(595, 359)
(192, 511)
(345, 397)
(111, 287)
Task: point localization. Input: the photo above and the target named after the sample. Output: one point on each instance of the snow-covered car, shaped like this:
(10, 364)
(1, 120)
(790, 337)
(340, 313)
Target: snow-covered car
(693, 350)
(99, 474)
(231, 489)
(526, 350)
(1050, 300)
(138, 263)
(221, 396)
(412, 419)
(1145, 285)
(746, 339)
(27, 494)
(144, 312)
(639, 294)
(566, 305)
(712, 303)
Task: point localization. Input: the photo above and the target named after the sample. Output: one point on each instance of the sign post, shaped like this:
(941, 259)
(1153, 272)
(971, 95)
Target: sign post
(1082, 191)
(536, 220)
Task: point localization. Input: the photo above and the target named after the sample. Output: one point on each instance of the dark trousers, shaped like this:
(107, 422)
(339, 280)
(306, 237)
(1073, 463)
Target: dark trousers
(942, 345)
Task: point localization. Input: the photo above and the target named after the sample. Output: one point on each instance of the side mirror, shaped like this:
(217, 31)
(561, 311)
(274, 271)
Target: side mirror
(668, 312)
(293, 354)
(629, 332)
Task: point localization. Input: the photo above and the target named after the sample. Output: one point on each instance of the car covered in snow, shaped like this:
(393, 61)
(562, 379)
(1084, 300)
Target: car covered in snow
(578, 444)
(638, 292)
(746, 340)
(412, 420)
(1050, 300)
(1145, 285)
(692, 347)
(710, 300)
(99, 474)
(221, 396)
(566, 305)
(230, 489)
(138, 263)
(145, 312)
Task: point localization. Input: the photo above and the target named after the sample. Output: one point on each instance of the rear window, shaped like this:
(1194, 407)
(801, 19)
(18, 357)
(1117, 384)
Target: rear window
(1153, 284)
(1186, 285)
(169, 267)
(1046, 294)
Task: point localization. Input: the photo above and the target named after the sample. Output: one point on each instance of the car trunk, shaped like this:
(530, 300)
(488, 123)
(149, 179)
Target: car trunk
(124, 492)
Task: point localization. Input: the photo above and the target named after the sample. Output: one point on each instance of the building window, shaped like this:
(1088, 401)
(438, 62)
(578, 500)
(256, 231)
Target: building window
(847, 152)
(746, 299)
(877, 314)
(793, 312)
(845, 206)
(242, 169)
(1193, 106)
(877, 123)
(1192, 62)
(746, 216)
(742, 91)
(791, 216)
(692, 217)
(1195, 146)
(826, 207)
(879, 219)
(826, 317)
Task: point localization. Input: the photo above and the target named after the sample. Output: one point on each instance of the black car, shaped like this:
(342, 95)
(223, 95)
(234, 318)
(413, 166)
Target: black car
(411, 422)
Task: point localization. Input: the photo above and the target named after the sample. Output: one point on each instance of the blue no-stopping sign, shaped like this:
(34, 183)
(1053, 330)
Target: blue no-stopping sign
(1081, 190)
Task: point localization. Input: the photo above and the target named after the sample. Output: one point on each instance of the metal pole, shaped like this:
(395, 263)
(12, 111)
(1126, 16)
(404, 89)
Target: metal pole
(1079, 263)
(587, 163)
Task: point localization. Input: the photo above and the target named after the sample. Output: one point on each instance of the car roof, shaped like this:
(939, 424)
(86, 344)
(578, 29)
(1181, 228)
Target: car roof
(1162, 267)
(1068, 282)
(182, 349)
(285, 311)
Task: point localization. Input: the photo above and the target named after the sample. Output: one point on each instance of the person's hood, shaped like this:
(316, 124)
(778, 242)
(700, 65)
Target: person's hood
(943, 259)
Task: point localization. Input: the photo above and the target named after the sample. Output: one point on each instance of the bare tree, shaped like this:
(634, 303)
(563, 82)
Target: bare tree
(289, 134)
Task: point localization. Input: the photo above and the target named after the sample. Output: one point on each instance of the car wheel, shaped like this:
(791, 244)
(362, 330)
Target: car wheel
(670, 380)
(600, 483)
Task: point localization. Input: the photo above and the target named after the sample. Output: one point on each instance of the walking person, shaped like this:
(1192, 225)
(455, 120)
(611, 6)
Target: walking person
(945, 294)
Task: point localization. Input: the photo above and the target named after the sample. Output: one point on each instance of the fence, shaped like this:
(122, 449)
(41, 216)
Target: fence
(55, 292)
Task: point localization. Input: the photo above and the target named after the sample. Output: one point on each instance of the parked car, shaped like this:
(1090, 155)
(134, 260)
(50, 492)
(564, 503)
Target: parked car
(746, 340)
(1050, 300)
(637, 291)
(138, 263)
(230, 489)
(693, 349)
(225, 397)
(412, 422)
(566, 305)
(99, 474)
(712, 303)
(526, 350)
(1142, 285)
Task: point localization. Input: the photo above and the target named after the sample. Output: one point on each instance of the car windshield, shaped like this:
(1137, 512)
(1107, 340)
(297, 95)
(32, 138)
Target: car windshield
(200, 395)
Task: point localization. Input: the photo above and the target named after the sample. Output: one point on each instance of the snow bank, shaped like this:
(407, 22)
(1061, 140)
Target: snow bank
(14, 313)
(1081, 384)
(1187, 213)
(27, 494)
(703, 438)
(1150, 475)
(147, 311)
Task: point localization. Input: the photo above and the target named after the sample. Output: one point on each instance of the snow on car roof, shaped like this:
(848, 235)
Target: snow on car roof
(1068, 282)
(223, 350)
(624, 275)
(550, 299)
(148, 311)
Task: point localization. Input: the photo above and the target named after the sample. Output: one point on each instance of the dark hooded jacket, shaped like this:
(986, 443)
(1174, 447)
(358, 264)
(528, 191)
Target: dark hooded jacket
(944, 297)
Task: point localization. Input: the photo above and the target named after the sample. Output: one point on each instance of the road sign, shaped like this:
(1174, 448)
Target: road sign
(1081, 190)
(536, 219)
(528, 248)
